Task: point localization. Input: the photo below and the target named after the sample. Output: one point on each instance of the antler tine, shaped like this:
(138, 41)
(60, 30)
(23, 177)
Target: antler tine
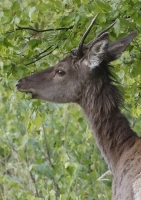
(80, 46)
(106, 29)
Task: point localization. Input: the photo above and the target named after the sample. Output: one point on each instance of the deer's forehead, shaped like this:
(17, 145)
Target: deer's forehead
(67, 63)
(49, 70)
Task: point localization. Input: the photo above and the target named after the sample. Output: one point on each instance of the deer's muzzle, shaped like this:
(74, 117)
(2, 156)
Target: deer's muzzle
(24, 85)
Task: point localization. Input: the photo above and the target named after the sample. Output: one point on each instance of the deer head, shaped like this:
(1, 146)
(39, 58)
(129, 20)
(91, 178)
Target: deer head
(66, 81)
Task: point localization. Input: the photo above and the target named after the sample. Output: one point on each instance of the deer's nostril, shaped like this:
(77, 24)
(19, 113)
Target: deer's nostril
(19, 83)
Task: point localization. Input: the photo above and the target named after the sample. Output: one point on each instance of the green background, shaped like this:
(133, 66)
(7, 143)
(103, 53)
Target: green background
(47, 151)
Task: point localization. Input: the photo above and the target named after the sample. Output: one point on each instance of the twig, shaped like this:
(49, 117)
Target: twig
(102, 177)
(31, 176)
(11, 145)
(40, 31)
(37, 55)
(135, 120)
(56, 187)
(36, 59)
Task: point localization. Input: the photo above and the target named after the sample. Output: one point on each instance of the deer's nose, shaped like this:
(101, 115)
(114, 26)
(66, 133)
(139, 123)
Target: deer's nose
(19, 83)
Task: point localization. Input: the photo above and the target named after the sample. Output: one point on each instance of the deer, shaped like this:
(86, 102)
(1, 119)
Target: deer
(85, 77)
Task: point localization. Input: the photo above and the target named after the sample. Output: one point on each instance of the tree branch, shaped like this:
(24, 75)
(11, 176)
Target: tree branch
(56, 187)
(39, 57)
(11, 145)
(31, 176)
(40, 31)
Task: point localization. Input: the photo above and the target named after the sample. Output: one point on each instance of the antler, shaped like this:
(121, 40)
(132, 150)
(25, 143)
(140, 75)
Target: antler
(80, 46)
(106, 29)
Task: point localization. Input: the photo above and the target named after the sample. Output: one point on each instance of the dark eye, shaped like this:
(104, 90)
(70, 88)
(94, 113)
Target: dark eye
(60, 72)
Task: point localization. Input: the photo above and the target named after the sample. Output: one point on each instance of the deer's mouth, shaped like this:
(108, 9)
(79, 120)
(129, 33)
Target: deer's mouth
(20, 87)
(31, 94)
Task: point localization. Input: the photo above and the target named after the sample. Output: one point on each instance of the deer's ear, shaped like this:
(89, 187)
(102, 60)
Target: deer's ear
(115, 49)
(96, 51)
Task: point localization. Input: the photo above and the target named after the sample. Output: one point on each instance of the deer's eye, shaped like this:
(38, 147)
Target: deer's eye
(60, 72)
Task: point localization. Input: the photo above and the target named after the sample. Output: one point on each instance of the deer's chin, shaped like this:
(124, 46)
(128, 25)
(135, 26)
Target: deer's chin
(31, 91)
(34, 96)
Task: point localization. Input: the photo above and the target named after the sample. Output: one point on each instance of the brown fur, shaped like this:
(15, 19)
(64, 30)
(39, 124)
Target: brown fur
(111, 128)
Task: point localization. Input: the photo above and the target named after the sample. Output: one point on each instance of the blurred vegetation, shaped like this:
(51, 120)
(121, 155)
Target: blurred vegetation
(47, 151)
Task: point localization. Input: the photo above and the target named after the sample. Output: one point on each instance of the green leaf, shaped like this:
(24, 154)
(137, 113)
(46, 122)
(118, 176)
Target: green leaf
(15, 7)
(38, 121)
(138, 20)
(117, 27)
(32, 10)
(34, 43)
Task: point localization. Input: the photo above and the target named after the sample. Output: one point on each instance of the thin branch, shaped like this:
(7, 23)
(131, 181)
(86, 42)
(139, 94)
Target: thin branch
(36, 59)
(37, 55)
(40, 31)
(31, 176)
(135, 120)
(102, 177)
(56, 187)
(11, 145)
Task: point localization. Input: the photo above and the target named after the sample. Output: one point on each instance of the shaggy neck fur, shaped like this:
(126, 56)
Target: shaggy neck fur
(100, 102)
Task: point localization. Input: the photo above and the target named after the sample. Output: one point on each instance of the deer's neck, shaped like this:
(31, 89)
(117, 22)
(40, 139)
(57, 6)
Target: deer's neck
(110, 128)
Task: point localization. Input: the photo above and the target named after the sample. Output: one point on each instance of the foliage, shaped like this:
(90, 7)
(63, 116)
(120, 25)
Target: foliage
(46, 150)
